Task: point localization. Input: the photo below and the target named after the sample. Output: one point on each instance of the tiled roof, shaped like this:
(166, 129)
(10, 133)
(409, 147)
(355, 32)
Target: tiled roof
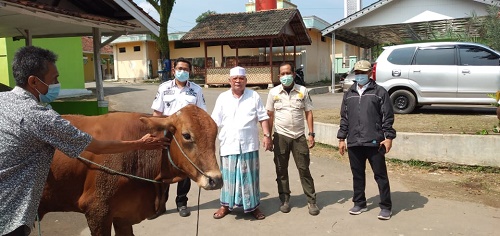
(254, 29)
(88, 46)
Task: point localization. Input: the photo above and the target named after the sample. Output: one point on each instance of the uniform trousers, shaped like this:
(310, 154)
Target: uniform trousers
(283, 145)
(183, 188)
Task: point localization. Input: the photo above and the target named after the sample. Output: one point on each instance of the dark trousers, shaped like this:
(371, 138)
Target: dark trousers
(182, 191)
(282, 147)
(376, 158)
(20, 231)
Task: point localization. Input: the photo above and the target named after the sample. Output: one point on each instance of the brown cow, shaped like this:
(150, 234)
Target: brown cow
(107, 198)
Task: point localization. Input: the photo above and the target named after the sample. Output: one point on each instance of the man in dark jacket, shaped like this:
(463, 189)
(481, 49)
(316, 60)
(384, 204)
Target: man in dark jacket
(366, 119)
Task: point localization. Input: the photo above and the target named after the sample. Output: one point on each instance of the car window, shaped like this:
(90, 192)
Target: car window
(401, 56)
(477, 56)
(435, 56)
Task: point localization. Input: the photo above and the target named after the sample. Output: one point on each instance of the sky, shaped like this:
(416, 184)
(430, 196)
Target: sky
(185, 12)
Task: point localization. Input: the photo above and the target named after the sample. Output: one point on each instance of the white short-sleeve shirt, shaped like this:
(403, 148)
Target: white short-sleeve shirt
(170, 98)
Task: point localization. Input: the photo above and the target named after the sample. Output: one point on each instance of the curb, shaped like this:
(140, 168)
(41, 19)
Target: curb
(453, 148)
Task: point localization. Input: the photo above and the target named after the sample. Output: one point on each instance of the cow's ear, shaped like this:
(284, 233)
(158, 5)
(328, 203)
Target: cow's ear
(158, 123)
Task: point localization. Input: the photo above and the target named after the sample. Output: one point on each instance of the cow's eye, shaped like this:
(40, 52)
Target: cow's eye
(186, 136)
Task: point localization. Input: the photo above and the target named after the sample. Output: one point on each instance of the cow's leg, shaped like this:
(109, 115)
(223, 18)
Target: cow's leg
(99, 222)
(122, 227)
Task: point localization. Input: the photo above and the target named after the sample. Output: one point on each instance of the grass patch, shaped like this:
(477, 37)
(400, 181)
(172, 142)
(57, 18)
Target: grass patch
(322, 145)
(446, 166)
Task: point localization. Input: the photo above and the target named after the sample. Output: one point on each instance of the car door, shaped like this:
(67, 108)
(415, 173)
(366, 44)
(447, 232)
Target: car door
(479, 72)
(434, 71)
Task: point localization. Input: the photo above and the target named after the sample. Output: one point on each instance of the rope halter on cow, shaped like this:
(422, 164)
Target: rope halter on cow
(184, 154)
(150, 180)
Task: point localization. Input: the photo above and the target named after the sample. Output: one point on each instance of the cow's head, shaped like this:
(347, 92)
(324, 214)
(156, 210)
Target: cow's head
(193, 150)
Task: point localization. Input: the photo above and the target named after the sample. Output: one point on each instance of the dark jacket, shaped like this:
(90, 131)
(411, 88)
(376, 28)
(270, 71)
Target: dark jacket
(366, 120)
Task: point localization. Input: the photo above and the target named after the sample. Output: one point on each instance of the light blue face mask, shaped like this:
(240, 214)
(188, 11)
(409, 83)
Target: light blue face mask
(51, 94)
(362, 79)
(181, 75)
(286, 80)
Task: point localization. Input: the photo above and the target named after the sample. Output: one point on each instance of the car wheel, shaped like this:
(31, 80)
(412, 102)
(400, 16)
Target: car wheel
(403, 101)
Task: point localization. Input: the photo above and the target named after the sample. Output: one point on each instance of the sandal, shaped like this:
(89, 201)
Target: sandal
(258, 214)
(223, 211)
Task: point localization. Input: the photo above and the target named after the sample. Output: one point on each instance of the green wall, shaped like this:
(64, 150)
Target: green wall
(5, 67)
(69, 63)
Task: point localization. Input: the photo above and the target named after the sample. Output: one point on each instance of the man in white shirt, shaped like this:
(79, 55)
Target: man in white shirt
(171, 97)
(236, 113)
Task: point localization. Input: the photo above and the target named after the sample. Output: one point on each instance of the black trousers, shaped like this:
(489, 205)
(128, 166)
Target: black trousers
(376, 158)
(183, 188)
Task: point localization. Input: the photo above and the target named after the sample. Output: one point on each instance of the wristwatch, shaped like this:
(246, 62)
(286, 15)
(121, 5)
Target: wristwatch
(312, 134)
(267, 135)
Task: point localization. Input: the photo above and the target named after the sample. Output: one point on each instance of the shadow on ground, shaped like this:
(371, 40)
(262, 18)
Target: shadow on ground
(401, 201)
(115, 90)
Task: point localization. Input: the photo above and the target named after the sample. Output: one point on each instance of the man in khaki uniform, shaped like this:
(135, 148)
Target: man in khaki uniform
(288, 106)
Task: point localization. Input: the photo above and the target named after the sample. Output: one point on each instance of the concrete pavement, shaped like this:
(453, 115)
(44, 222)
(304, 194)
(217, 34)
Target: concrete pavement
(413, 214)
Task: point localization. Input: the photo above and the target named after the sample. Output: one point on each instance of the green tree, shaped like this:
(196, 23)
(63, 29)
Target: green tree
(164, 8)
(492, 28)
(204, 15)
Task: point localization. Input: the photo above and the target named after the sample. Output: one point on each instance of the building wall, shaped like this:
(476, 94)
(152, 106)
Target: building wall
(6, 77)
(345, 56)
(130, 64)
(69, 64)
(88, 66)
(153, 54)
(318, 64)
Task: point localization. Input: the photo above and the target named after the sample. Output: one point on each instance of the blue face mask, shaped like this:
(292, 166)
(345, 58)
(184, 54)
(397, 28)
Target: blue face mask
(362, 79)
(286, 80)
(51, 94)
(181, 75)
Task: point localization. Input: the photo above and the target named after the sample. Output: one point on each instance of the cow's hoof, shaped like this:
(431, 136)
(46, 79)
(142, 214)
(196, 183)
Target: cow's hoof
(160, 212)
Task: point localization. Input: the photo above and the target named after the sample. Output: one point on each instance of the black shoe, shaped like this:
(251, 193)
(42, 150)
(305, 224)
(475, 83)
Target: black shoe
(285, 207)
(183, 211)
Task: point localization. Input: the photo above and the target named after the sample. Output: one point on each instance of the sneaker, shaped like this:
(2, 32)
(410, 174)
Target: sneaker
(285, 207)
(183, 211)
(313, 209)
(384, 214)
(356, 210)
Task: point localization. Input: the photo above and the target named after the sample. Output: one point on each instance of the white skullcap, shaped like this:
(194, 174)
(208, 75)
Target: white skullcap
(237, 71)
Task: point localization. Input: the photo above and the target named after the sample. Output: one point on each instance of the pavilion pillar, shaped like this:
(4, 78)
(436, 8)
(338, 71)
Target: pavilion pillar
(102, 105)
(222, 62)
(206, 62)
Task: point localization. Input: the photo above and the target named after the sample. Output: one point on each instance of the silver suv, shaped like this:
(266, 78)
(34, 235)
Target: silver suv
(438, 73)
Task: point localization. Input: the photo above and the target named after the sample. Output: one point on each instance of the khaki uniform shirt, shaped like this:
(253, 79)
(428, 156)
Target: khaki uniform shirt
(289, 109)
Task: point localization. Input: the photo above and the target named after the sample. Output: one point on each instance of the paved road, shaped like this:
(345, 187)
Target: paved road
(413, 214)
